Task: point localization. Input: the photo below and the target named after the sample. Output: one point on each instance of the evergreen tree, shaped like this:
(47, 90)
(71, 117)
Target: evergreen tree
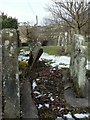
(9, 22)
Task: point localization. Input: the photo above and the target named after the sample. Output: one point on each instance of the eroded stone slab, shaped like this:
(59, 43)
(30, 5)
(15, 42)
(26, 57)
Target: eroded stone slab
(11, 91)
(0, 76)
(78, 64)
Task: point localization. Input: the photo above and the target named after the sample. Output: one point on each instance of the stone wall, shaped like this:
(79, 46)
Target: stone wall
(10, 77)
(78, 64)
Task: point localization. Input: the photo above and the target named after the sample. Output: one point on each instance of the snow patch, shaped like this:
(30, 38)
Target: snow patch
(22, 58)
(34, 84)
(60, 61)
(40, 106)
(37, 79)
(51, 99)
(46, 105)
(39, 96)
(68, 116)
(81, 115)
(88, 65)
(36, 92)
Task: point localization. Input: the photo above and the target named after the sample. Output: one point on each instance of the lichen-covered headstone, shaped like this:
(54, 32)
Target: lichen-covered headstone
(78, 64)
(37, 52)
(11, 91)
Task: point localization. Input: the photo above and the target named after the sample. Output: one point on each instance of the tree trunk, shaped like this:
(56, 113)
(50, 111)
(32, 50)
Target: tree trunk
(78, 30)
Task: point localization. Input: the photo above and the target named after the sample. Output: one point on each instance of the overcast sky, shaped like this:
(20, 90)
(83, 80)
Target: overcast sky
(25, 10)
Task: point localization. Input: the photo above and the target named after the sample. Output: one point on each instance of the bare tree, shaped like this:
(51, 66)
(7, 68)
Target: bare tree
(70, 11)
(30, 33)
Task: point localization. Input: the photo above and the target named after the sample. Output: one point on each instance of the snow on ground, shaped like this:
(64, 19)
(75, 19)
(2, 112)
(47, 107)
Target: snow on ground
(60, 61)
(68, 115)
(77, 116)
(81, 115)
(34, 84)
(88, 65)
(23, 58)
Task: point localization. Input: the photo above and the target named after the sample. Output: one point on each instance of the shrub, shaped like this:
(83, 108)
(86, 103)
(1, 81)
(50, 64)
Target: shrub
(23, 65)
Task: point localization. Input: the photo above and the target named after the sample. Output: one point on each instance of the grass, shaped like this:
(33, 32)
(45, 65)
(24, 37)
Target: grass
(52, 50)
(24, 48)
(59, 50)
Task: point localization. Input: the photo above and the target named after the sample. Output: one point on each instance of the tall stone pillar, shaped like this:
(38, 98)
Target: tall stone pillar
(11, 92)
(78, 64)
(0, 77)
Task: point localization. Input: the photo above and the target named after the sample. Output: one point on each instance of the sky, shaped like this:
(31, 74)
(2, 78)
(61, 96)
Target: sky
(25, 10)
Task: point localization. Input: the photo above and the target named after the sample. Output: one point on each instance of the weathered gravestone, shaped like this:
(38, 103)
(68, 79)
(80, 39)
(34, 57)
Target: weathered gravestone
(0, 70)
(0, 78)
(11, 93)
(78, 64)
(35, 55)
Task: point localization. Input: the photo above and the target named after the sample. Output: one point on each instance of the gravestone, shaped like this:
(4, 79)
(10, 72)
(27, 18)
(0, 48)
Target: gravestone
(78, 64)
(0, 78)
(10, 77)
(35, 55)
